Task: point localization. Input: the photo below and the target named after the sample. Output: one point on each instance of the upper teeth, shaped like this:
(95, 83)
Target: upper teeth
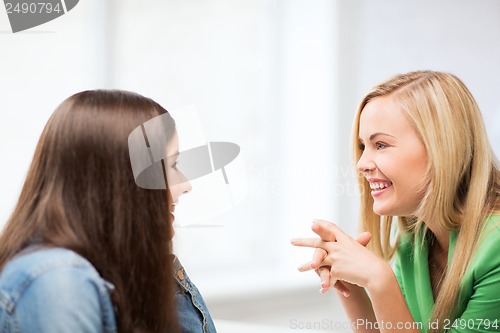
(375, 186)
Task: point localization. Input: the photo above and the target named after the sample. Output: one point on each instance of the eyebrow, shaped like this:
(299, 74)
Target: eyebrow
(374, 135)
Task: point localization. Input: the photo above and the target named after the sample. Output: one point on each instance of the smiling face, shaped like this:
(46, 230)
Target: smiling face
(394, 159)
(177, 182)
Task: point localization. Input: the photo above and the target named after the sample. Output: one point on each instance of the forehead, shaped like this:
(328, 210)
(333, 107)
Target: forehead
(383, 114)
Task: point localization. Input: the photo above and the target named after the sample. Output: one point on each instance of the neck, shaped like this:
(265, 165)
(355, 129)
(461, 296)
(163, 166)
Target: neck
(441, 235)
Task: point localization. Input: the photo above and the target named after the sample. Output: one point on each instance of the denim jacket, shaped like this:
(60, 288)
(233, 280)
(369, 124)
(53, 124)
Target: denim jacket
(191, 308)
(40, 284)
(54, 290)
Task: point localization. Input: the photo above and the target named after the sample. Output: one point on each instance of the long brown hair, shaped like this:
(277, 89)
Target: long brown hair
(80, 194)
(463, 177)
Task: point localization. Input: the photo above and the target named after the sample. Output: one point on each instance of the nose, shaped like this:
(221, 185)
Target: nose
(186, 187)
(365, 163)
(185, 184)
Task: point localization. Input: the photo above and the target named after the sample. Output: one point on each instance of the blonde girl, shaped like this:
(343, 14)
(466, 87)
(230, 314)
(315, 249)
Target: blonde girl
(430, 206)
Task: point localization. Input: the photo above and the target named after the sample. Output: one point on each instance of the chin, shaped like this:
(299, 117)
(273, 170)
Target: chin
(382, 211)
(172, 231)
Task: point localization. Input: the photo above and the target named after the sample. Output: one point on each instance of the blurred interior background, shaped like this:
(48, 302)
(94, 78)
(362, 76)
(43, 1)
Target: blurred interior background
(280, 78)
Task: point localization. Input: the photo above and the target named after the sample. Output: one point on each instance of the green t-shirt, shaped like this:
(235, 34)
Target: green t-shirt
(478, 308)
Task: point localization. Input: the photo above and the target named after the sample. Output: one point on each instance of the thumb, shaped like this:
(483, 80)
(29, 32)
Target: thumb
(364, 238)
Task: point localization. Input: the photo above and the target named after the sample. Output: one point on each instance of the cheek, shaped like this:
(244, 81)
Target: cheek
(417, 169)
(410, 184)
(173, 184)
(407, 173)
(389, 168)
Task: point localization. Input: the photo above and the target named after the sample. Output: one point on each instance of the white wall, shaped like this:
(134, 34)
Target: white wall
(39, 68)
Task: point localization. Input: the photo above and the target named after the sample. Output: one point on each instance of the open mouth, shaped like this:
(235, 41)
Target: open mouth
(378, 187)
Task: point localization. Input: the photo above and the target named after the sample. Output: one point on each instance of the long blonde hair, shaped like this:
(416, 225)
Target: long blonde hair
(463, 179)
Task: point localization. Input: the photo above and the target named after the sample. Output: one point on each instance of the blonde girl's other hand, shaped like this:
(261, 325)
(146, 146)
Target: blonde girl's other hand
(328, 234)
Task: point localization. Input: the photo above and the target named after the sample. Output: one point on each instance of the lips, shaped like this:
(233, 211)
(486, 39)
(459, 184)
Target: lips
(172, 211)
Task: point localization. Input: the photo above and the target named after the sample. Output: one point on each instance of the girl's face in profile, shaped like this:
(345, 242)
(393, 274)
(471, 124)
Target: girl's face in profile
(178, 184)
(394, 159)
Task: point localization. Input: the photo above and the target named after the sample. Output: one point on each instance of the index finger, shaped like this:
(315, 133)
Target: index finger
(308, 242)
(328, 231)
